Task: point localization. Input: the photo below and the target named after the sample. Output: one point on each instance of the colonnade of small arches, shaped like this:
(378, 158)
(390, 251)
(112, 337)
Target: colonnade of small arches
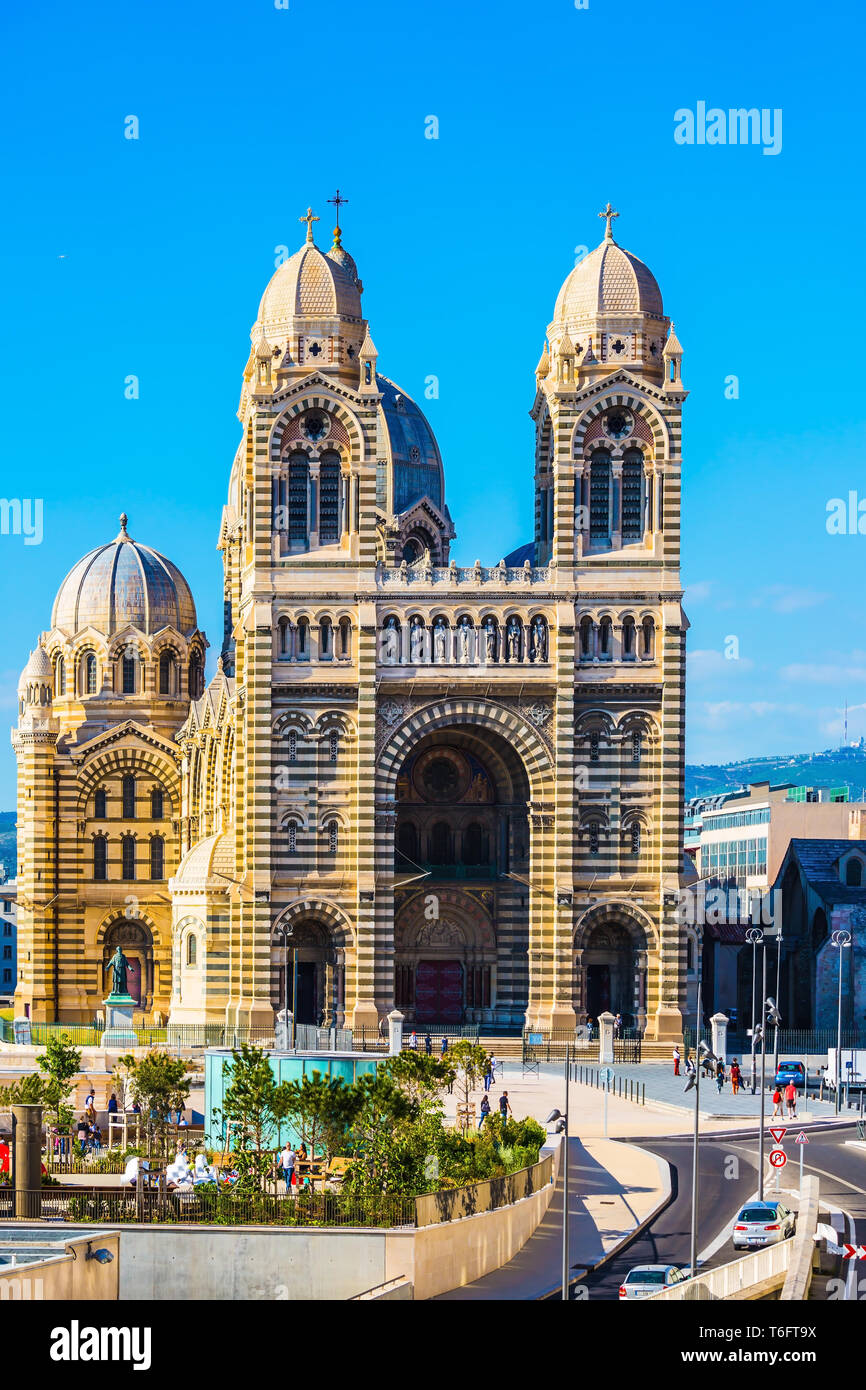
(616, 637)
(139, 854)
(464, 638)
(128, 666)
(313, 637)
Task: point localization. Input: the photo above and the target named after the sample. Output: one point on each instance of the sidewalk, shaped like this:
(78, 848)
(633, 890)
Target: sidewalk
(614, 1190)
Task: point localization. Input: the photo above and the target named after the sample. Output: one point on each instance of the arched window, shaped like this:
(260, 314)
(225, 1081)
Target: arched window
(100, 845)
(854, 873)
(192, 950)
(648, 629)
(326, 640)
(599, 498)
(156, 803)
(292, 836)
(632, 496)
(293, 746)
(196, 677)
(593, 837)
(474, 845)
(586, 639)
(157, 857)
(407, 841)
(283, 630)
(332, 829)
(90, 674)
(635, 837)
(128, 669)
(100, 803)
(303, 639)
(333, 745)
(636, 745)
(605, 640)
(345, 637)
(593, 746)
(299, 477)
(60, 677)
(440, 843)
(128, 857)
(166, 673)
(690, 953)
(629, 635)
(129, 798)
(329, 497)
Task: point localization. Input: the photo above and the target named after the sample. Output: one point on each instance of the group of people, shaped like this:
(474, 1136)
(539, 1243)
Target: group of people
(504, 1106)
(714, 1068)
(288, 1164)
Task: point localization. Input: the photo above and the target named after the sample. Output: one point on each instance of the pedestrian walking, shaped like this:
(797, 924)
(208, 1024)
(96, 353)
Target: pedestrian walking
(428, 1044)
(494, 1063)
(488, 1073)
(677, 1059)
(444, 1047)
(505, 1106)
(485, 1109)
(791, 1100)
(777, 1103)
(720, 1075)
(287, 1163)
(736, 1076)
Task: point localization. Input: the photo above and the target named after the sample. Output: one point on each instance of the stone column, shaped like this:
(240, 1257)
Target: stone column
(27, 1145)
(395, 1033)
(605, 1038)
(719, 1024)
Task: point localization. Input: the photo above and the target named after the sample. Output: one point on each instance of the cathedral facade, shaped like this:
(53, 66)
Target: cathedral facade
(453, 790)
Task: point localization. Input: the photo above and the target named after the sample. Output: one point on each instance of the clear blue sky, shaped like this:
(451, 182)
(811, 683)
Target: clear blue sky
(149, 257)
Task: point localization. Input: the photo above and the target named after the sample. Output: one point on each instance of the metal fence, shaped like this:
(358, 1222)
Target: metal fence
(734, 1280)
(580, 1045)
(182, 1038)
(208, 1206)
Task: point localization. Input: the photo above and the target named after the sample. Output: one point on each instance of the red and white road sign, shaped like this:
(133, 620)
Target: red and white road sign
(778, 1158)
(778, 1135)
(801, 1138)
(854, 1252)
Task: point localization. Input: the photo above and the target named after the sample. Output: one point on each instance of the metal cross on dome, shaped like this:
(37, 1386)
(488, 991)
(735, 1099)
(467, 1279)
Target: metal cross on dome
(609, 214)
(338, 203)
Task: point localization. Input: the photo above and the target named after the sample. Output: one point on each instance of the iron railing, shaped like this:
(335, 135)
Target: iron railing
(190, 1037)
(210, 1206)
(601, 1078)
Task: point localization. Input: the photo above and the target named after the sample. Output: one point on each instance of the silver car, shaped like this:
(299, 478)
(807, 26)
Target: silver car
(644, 1280)
(762, 1223)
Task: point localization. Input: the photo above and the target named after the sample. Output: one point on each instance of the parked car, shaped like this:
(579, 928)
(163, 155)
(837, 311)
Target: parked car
(791, 1071)
(646, 1279)
(762, 1223)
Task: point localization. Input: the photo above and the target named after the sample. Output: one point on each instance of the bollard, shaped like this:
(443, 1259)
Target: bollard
(27, 1158)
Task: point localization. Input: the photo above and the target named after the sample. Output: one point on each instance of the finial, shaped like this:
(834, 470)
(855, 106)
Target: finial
(609, 214)
(309, 219)
(338, 203)
(123, 520)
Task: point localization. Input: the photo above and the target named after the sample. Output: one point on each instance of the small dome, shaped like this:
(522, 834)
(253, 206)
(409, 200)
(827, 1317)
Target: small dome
(608, 281)
(309, 284)
(38, 670)
(340, 256)
(213, 857)
(411, 448)
(124, 584)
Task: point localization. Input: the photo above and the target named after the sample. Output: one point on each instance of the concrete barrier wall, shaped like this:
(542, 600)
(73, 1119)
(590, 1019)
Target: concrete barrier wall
(62, 1277)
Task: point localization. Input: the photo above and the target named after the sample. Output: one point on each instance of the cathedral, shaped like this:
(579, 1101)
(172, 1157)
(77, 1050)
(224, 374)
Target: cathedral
(452, 790)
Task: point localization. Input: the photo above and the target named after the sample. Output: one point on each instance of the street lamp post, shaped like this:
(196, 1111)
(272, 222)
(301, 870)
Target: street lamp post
(778, 989)
(286, 932)
(561, 1121)
(841, 939)
(755, 936)
(769, 1013)
(708, 1055)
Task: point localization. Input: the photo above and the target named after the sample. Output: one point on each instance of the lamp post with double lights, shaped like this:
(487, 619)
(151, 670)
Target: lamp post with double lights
(755, 938)
(841, 939)
(560, 1120)
(703, 1054)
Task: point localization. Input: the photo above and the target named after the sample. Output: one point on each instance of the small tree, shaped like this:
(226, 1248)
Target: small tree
(389, 1147)
(159, 1083)
(470, 1062)
(254, 1104)
(62, 1063)
(321, 1110)
(29, 1090)
(419, 1076)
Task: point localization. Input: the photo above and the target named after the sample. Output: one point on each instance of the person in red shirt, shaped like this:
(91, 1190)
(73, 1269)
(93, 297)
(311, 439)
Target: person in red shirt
(791, 1100)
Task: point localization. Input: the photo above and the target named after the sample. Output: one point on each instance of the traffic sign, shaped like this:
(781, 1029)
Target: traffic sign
(801, 1138)
(778, 1134)
(778, 1158)
(854, 1252)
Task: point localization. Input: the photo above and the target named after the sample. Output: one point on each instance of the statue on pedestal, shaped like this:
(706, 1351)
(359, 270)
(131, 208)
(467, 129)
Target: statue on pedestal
(118, 965)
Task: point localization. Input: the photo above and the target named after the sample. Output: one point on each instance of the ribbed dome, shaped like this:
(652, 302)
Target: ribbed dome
(312, 284)
(38, 669)
(408, 443)
(124, 584)
(213, 857)
(608, 281)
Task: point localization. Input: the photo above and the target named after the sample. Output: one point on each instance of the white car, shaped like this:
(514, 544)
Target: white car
(644, 1280)
(762, 1223)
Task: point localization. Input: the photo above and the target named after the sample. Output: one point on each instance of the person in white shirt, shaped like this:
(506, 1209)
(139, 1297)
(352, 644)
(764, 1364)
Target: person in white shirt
(287, 1163)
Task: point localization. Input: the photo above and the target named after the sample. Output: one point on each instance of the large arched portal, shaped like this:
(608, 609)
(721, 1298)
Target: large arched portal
(611, 962)
(461, 933)
(308, 968)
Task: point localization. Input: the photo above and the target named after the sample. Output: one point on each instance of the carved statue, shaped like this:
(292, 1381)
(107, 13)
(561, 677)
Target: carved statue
(538, 646)
(416, 643)
(439, 641)
(390, 653)
(514, 635)
(118, 965)
(463, 634)
(490, 639)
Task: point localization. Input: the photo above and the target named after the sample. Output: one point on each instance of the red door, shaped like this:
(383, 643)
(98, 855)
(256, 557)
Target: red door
(439, 991)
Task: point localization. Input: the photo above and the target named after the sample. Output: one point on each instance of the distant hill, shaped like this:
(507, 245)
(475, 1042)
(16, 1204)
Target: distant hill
(8, 851)
(835, 767)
